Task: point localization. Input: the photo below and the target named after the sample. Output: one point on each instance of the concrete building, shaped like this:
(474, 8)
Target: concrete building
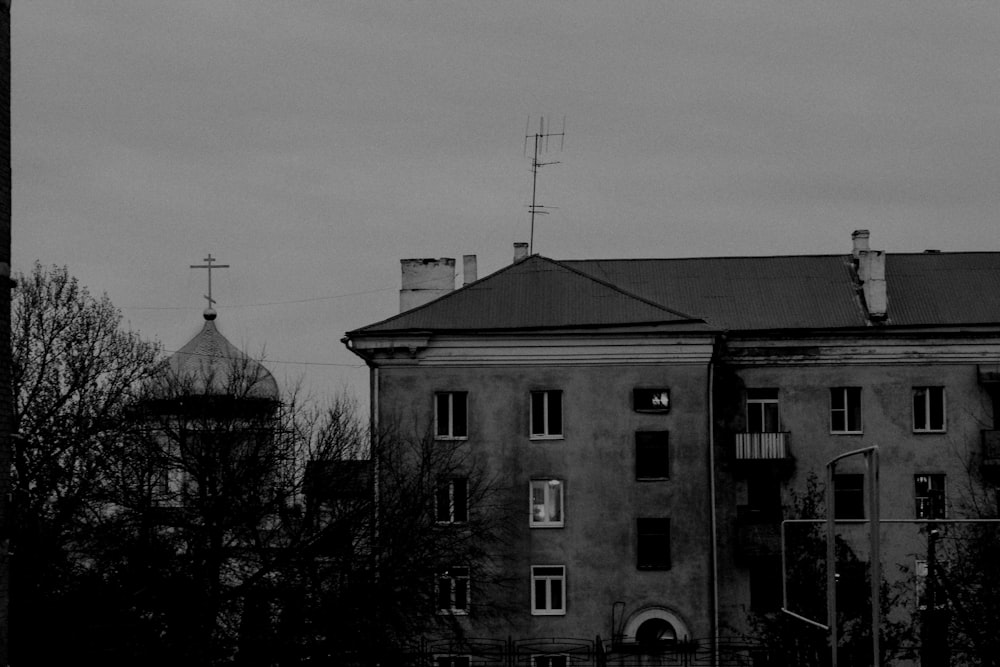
(652, 419)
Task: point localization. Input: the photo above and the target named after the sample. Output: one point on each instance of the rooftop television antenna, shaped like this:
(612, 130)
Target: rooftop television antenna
(541, 145)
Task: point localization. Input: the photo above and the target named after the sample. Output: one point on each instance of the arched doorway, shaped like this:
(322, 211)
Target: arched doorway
(655, 629)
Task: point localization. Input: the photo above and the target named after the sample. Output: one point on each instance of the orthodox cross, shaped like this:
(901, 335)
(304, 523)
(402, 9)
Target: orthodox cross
(208, 265)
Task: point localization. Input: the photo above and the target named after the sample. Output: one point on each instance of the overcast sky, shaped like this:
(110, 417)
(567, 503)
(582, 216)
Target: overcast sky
(311, 145)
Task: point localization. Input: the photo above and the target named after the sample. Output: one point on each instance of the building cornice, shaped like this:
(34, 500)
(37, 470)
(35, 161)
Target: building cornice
(952, 348)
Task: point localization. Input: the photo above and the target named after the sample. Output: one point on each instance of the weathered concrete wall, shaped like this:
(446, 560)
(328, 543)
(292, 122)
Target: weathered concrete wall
(595, 458)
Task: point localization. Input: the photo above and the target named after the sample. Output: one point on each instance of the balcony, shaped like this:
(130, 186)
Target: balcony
(991, 450)
(763, 451)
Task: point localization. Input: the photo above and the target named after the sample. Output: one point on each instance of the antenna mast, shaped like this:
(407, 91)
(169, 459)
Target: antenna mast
(541, 145)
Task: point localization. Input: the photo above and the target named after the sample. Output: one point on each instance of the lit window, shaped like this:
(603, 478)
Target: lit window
(928, 409)
(651, 400)
(929, 494)
(546, 503)
(653, 544)
(451, 415)
(453, 591)
(849, 496)
(845, 410)
(546, 414)
(548, 590)
(762, 411)
(451, 502)
(652, 455)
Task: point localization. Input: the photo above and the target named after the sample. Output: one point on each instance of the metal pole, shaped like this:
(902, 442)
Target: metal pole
(876, 552)
(831, 564)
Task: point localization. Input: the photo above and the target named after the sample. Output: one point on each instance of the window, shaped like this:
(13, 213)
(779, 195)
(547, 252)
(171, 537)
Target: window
(652, 458)
(762, 411)
(653, 544)
(920, 583)
(451, 502)
(929, 494)
(845, 410)
(550, 661)
(546, 503)
(453, 591)
(849, 496)
(651, 400)
(452, 661)
(928, 409)
(546, 414)
(451, 417)
(548, 590)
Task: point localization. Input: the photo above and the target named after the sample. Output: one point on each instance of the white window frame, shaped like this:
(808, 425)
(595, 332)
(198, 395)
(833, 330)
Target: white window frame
(546, 395)
(553, 492)
(453, 576)
(447, 431)
(759, 403)
(846, 411)
(548, 579)
(452, 494)
(927, 401)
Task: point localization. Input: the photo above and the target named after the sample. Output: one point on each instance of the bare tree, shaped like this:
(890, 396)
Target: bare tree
(75, 372)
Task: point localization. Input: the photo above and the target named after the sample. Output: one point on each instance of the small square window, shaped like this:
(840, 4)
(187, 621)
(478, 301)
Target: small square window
(762, 411)
(548, 590)
(849, 496)
(928, 490)
(546, 414)
(453, 591)
(451, 415)
(451, 502)
(546, 503)
(845, 410)
(652, 455)
(928, 410)
(653, 544)
(651, 400)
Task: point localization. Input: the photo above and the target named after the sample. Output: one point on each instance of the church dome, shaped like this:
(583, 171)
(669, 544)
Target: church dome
(209, 364)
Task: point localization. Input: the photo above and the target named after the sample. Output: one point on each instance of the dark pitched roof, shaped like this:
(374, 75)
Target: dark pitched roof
(726, 293)
(535, 293)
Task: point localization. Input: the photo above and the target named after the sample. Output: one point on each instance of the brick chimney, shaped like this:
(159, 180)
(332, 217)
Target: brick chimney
(425, 280)
(520, 252)
(871, 274)
(468, 269)
(860, 240)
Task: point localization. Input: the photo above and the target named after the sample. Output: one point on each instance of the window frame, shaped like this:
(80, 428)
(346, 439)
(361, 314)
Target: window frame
(648, 445)
(547, 432)
(650, 535)
(845, 393)
(929, 392)
(547, 580)
(927, 496)
(451, 486)
(450, 431)
(761, 403)
(547, 485)
(651, 400)
(550, 660)
(453, 576)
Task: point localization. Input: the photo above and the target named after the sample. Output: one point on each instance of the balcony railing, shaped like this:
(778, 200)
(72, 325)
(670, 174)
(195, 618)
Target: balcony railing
(991, 449)
(762, 446)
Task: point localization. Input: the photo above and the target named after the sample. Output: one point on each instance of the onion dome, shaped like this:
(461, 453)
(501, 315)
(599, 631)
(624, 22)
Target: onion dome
(210, 365)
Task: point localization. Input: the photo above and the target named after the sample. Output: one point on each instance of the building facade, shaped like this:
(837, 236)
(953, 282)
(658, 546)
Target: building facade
(651, 422)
